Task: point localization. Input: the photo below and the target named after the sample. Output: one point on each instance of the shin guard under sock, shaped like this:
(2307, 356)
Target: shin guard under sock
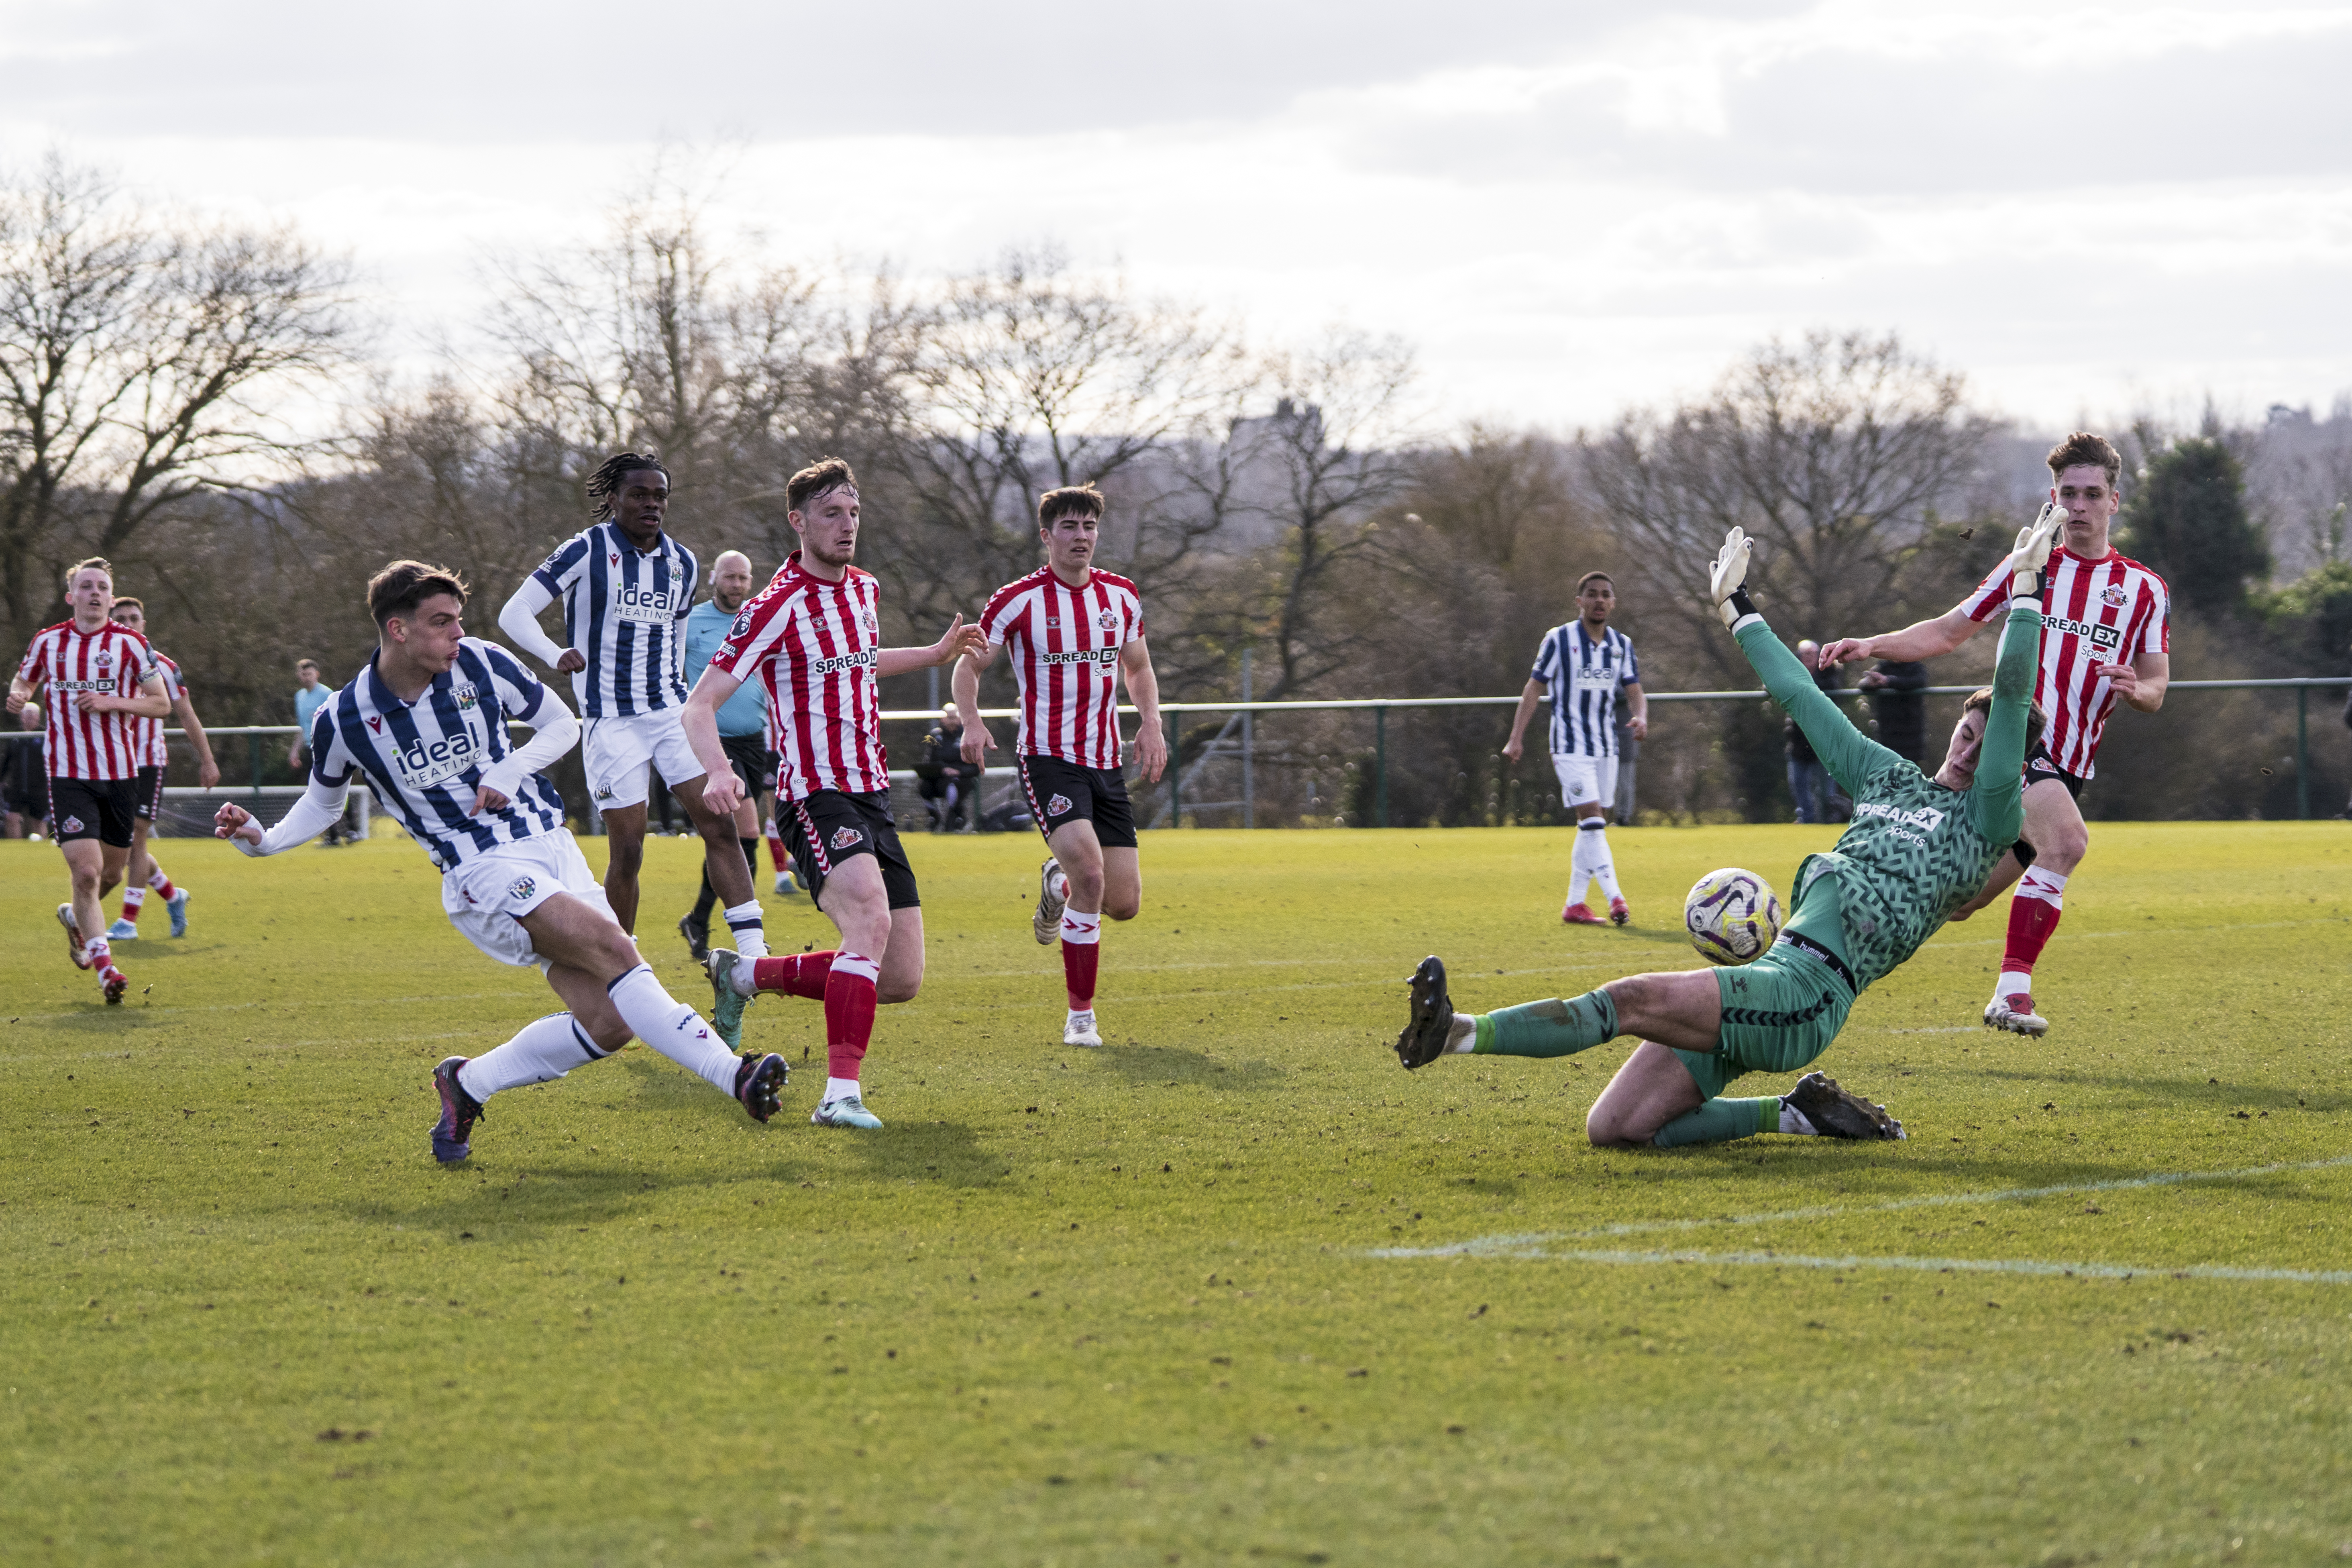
(1081, 953)
(849, 1002)
(795, 975)
(1720, 1121)
(673, 1028)
(1548, 1028)
(546, 1048)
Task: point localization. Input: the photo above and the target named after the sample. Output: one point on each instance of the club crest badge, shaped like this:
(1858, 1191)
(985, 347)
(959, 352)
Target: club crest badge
(1108, 621)
(72, 824)
(2113, 595)
(842, 838)
(522, 887)
(873, 628)
(469, 696)
(102, 660)
(1059, 806)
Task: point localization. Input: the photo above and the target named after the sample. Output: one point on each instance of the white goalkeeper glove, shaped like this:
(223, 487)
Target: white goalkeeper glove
(2035, 541)
(1730, 572)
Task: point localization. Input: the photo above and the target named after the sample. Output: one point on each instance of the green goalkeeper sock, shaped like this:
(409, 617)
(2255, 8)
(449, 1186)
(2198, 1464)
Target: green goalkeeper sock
(1720, 1121)
(1548, 1028)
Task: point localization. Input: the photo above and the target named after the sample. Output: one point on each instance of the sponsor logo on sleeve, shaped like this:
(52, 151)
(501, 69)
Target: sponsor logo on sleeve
(842, 838)
(742, 623)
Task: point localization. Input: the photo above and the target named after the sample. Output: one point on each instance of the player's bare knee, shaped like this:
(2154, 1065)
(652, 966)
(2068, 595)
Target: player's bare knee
(2068, 846)
(1122, 909)
(889, 989)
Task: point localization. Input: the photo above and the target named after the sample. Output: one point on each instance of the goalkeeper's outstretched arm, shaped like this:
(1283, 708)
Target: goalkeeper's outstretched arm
(1848, 754)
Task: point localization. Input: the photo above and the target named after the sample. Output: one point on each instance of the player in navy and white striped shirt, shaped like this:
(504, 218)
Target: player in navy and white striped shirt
(627, 589)
(427, 723)
(1584, 667)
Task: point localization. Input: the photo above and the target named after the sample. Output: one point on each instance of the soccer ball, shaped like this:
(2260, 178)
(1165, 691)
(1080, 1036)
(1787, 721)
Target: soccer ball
(1732, 916)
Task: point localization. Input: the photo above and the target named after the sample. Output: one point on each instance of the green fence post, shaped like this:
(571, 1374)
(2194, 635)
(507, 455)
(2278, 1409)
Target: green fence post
(1381, 766)
(2302, 751)
(253, 745)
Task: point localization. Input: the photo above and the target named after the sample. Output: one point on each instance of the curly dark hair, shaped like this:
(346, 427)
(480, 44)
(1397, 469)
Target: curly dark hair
(605, 482)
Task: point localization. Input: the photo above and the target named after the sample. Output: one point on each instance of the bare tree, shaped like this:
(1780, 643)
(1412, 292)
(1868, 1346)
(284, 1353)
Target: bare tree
(1839, 454)
(141, 361)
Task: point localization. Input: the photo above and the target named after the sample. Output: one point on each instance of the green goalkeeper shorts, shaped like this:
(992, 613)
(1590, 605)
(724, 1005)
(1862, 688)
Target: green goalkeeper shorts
(1778, 1014)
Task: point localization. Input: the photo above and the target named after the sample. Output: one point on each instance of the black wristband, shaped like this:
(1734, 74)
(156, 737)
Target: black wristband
(1740, 603)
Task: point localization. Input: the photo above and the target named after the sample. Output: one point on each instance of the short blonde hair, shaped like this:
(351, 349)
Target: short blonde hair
(79, 567)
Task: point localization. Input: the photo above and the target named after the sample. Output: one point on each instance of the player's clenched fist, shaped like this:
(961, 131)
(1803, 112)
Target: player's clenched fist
(235, 822)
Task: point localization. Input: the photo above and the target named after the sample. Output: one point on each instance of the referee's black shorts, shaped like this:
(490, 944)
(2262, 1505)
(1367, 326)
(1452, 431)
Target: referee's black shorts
(1062, 793)
(830, 827)
(752, 761)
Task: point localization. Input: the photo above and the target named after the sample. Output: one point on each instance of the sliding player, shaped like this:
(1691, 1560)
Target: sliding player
(813, 639)
(426, 722)
(627, 587)
(1584, 665)
(1918, 847)
(1073, 631)
(2105, 633)
(143, 874)
(91, 667)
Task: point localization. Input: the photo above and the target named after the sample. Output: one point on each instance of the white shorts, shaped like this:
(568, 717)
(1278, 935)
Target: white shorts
(487, 897)
(1586, 781)
(617, 751)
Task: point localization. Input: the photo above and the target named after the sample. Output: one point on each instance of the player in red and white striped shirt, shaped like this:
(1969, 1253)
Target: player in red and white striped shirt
(2105, 633)
(813, 637)
(1072, 631)
(100, 678)
(147, 803)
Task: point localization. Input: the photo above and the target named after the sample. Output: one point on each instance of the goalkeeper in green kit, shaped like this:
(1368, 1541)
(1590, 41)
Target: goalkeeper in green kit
(1918, 847)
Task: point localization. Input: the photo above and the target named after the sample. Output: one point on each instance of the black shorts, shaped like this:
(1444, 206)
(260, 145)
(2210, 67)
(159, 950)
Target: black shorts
(92, 808)
(1062, 793)
(147, 794)
(2039, 769)
(830, 827)
(752, 761)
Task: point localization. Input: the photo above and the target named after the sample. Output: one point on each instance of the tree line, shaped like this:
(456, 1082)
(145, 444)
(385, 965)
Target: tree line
(203, 405)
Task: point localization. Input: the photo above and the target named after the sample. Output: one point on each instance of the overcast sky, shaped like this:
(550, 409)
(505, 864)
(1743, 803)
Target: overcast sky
(2089, 209)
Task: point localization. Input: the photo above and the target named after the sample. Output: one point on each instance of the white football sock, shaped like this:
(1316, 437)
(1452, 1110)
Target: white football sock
(673, 1028)
(1580, 868)
(546, 1048)
(2011, 983)
(1592, 834)
(744, 919)
(1793, 1120)
(1078, 1014)
(1461, 1034)
(840, 1089)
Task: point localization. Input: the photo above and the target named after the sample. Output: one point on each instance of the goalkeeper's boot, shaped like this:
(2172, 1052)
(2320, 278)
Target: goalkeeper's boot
(1082, 1030)
(849, 1110)
(73, 936)
(727, 1004)
(1431, 1026)
(1046, 924)
(453, 1135)
(1835, 1113)
(2015, 1012)
(123, 931)
(177, 906)
(759, 1083)
(1619, 914)
(1580, 914)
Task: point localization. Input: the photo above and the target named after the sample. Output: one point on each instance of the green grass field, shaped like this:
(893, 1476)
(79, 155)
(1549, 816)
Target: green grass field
(1144, 1305)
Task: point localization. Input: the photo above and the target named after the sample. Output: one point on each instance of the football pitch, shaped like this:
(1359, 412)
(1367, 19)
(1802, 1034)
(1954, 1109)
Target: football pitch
(1234, 1287)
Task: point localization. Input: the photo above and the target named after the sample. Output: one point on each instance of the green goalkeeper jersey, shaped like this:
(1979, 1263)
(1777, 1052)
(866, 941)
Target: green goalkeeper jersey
(1915, 850)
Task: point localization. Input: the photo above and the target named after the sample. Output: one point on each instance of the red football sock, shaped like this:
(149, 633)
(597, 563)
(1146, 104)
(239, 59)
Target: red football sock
(776, 853)
(133, 899)
(2031, 922)
(162, 884)
(1081, 953)
(849, 1002)
(794, 974)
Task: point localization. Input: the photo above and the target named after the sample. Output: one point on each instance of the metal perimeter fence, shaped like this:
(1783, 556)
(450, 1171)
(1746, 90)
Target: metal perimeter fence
(1333, 772)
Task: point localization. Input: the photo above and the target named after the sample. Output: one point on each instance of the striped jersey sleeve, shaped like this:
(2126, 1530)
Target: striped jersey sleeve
(625, 609)
(1065, 645)
(814, 646)
(2093, 613)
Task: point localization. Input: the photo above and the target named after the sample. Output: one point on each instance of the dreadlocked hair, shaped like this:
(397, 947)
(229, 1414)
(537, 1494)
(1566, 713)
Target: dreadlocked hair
(605, 482)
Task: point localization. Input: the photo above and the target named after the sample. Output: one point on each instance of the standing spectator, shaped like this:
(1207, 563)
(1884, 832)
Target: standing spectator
(1808, 781)
(23, 783)
(1629, 753)
(1895, 686)
(949, 786)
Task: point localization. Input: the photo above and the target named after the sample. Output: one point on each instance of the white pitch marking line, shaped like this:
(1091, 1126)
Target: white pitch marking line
(1928, 1265)
(1525, 1245)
